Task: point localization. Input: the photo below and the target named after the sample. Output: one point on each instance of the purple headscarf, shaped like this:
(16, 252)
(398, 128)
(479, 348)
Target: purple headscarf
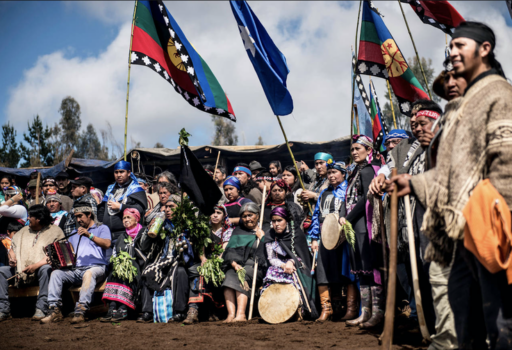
(279, 211)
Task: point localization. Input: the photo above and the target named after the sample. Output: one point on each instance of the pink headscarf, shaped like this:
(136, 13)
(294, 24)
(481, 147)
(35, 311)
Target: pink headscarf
(135, 213)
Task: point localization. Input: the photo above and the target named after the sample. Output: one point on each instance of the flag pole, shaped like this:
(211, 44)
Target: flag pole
(354, 79)
(391, 103)
(128, 83)
(294, 162)
(416, 51)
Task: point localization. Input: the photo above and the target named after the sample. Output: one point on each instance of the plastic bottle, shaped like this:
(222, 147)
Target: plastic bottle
(157, 225)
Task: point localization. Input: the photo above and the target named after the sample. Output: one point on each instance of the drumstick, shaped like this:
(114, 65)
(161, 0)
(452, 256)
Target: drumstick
(414, 270)
(16, 275)
(387, 334)
(314, 262)
(256, 263)
(297, 279)
(37, 187)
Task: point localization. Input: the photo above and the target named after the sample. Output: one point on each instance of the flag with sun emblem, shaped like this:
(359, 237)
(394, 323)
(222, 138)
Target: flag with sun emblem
(159, 43)
(380, 56)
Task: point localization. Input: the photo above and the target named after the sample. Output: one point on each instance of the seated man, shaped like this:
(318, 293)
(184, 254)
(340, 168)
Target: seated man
(91, 242)
(123, 194)
(49, 185)
(81, 191)
(32, 267)
(53, 202)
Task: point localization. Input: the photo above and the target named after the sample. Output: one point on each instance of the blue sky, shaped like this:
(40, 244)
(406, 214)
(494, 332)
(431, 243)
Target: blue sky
(53, 49)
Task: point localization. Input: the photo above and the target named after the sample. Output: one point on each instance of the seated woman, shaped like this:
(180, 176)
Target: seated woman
(277, 198)
(233, 193)
(242, 252)
(221, 230)
(333, 270)
(119, 292)
(166, 266)
(288, 255)
(13, 207)
(165, 190)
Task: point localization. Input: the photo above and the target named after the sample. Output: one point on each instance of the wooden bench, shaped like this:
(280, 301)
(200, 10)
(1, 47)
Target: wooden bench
(32, 291)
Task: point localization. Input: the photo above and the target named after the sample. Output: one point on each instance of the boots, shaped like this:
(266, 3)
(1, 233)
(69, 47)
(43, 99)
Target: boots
(192, 316)
(55, 315)
(336, 301)
(377, 308)
(352, 303)
(325, 301)
(365, 309)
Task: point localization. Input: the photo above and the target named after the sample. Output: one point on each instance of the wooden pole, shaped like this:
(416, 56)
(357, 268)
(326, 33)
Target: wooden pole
(391, 103)
(294, 162)
(314, 262)
(38, 183)
(296, 277)
(216, 164)
(416, 51)
(354, 78)
(128, 83)
(357, 120)
(387, 335)
(414, 270)
(255, 273)
(384, 243)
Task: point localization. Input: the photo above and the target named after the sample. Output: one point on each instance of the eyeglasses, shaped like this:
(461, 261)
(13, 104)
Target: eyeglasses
(392, 142)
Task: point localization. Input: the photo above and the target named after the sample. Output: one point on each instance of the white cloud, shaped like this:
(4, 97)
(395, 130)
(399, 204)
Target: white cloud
(314, 36)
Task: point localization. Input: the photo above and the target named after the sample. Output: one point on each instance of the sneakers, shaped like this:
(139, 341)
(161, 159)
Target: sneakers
(55, 315)
(119, 315)
(108, 316)
(39, 315)
(4, 316)
(192, 316)
(146, 317)
(79, 318)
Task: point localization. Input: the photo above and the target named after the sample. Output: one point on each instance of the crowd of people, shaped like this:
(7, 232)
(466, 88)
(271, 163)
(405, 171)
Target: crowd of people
(453, 168)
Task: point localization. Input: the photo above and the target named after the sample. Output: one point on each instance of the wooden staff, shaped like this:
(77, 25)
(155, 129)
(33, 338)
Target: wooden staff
(128, 82)
(357, 119)
(391, 103)
(387, 335)
(16, 275)
(354, 78)
(256, 263)
(38, 183)
(297, 279)
(216, 164)
(414, 270)
(384, 245)
(314, 262)
(294, 162)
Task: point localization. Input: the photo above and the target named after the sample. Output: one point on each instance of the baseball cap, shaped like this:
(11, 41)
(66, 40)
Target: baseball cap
(82, 181)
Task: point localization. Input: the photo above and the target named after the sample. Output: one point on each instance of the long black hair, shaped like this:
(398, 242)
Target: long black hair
(291, 169)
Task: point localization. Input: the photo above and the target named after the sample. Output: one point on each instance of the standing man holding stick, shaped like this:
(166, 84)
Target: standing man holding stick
(474, 145)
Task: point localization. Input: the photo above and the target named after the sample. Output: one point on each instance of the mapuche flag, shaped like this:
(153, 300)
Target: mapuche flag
(439, 13)
(159, 43)
(379, 127)
(269, 63)
(361, 104)
(195, 181)
(380, 56)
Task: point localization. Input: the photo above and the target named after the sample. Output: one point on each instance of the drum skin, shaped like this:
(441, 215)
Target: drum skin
(332, 236)
(279, 303)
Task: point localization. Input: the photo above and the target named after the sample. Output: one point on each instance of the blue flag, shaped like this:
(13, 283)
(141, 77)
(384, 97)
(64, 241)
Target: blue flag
(268, 61)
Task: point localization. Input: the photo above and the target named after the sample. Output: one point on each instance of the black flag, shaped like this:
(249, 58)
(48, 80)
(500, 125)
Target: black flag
(194, 180)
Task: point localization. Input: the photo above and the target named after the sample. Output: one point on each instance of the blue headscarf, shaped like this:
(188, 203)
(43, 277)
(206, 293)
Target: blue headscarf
(396, 134)
(132, 188)
(323, 156)
(142, 180)
(232, 181)
(332, 164)
(242, 168)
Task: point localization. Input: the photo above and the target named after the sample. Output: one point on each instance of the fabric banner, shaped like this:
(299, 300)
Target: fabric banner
(438, 13)
(380, 56)
(269, 63)
(361, 103)
(379, 127)
(159, 43)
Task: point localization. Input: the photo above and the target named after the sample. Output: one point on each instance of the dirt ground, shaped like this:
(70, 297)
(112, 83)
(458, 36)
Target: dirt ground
(22, 333)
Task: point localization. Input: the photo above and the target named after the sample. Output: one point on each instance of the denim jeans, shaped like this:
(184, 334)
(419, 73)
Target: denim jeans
(86, 276)
(43, 275)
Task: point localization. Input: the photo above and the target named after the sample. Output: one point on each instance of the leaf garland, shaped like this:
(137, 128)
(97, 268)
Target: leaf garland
(350, 234)
(211, 269)
(122, 264)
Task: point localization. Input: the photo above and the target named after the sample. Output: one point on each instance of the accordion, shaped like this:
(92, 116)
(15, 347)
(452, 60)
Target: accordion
(60, 255)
